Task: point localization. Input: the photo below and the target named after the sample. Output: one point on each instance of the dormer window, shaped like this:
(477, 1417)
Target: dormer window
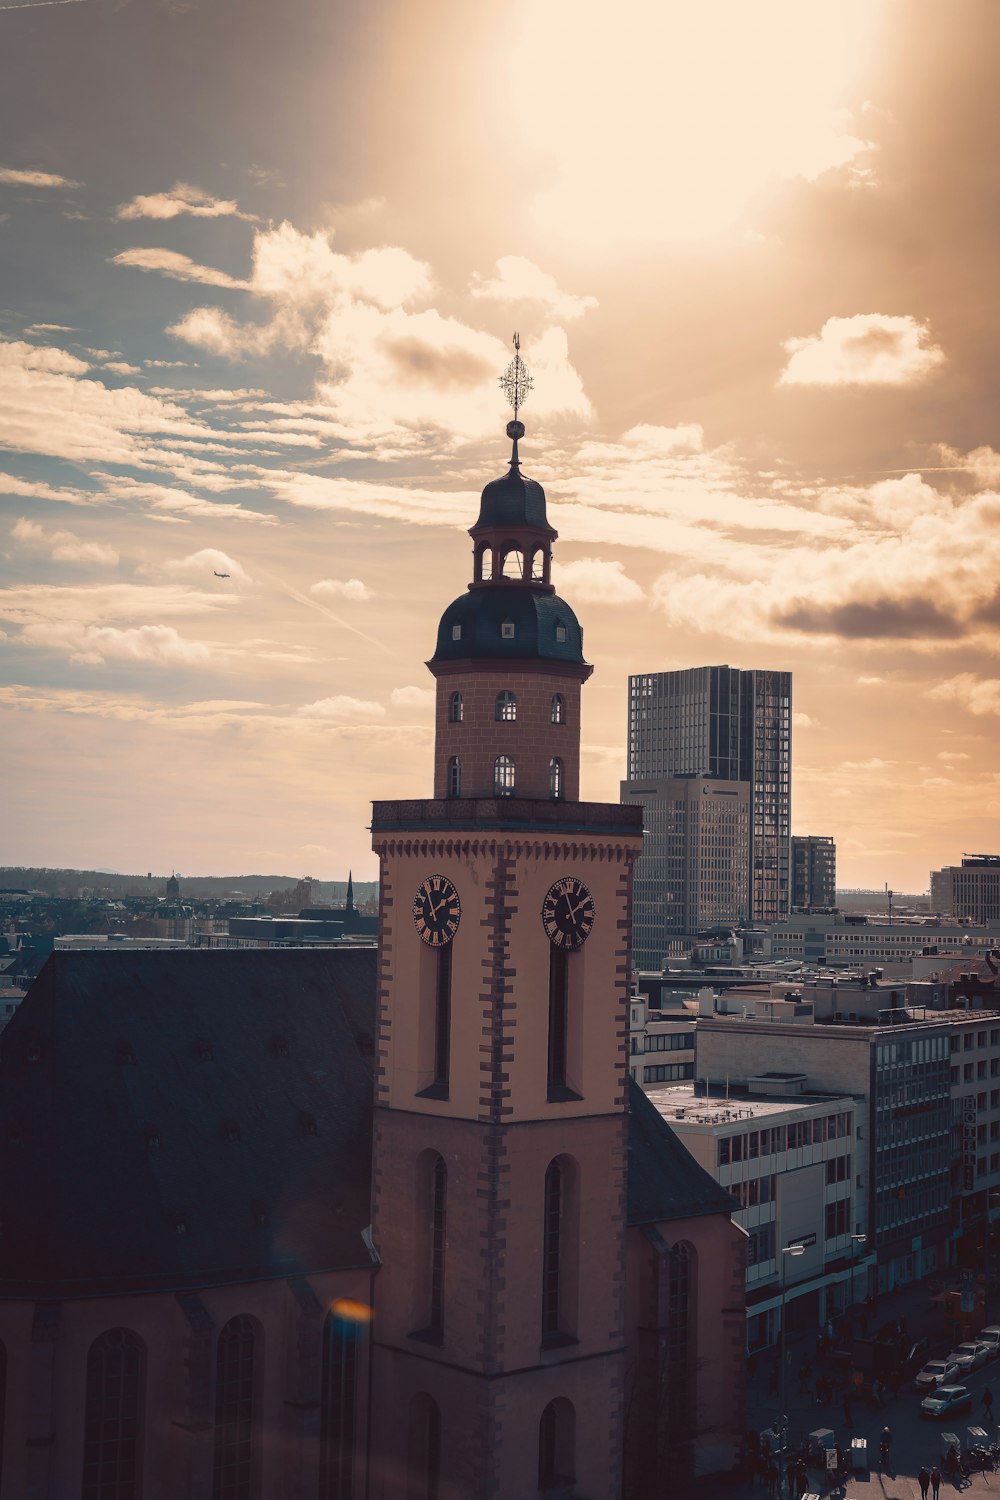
(507, 630)
(456, 632)
(506, 708)
(561, 632)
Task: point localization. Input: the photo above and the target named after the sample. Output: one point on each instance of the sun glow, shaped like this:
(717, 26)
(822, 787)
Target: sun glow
(657, 121)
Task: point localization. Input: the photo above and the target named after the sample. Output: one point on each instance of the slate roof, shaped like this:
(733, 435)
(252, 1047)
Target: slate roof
(179, 1119)
(664, 1180)
(535, 614)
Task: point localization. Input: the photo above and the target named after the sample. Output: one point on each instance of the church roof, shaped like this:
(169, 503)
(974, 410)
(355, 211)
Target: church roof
(173, 1120)
(664, 1180)
(545, 628)
(513, 502)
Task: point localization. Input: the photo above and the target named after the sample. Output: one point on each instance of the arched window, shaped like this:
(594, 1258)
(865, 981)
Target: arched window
(234, 1469)
(454, 777)
(456, 709)
(431, 1234)
(560, 1257)
(503, 776)
(112, 1423)
(556, 1445)
(424, 1449)
(338, 1406)
(558, 708)
(512, 564)
(538, 563)
(484, 563)
(506, 707)
(555, 777)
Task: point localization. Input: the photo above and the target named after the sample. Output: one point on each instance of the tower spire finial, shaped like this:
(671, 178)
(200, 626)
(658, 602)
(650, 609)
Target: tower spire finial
(516, 384)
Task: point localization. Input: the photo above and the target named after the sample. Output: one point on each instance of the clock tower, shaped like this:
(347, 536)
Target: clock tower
(499, 1210)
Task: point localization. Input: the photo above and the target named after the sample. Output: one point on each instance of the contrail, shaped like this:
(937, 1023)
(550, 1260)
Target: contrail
(36, 4)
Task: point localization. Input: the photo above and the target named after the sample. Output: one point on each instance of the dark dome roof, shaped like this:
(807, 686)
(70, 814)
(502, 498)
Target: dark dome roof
(536, 617)
(513, 501)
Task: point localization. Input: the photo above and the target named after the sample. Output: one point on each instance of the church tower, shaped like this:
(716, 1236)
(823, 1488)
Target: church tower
(500, 1109)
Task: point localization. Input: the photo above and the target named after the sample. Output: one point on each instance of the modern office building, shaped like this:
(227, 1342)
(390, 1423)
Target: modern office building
(814, 873)
(731, 725)
(969, 892)
(693, 872)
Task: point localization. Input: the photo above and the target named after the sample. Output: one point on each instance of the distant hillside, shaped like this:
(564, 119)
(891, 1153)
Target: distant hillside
(107, 883)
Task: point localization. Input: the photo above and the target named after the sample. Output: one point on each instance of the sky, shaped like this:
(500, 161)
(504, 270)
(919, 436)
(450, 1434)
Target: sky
(260, 265)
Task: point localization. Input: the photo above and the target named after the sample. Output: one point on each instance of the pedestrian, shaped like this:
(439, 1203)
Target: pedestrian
(988, 1404)
(936, 1481)
(924, 1481)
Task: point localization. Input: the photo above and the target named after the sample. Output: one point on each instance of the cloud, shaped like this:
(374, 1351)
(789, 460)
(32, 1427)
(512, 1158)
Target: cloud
(342, 588)
(29, 605)
(160, 645)
(977, 695)
(419, 698)
(593, 581)
(37, 489)
(167, 501)
(182, 198)
(25, 178)
(518, 279)
(120, 367)
(179, 267)
(803, 721)
(63, 546)
(875, 764)
(953, 755)
(343, 707)
(866, 349)
(16, 354)
(872, 619)
(201, 567)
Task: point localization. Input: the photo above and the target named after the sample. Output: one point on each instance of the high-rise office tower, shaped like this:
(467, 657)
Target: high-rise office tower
(814, 873)
(730, 724)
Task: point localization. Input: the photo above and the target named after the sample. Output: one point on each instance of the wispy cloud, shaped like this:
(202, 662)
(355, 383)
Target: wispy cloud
(182, 198)
(179, 267)
(26, 177)
(518, 280)
(63, 546)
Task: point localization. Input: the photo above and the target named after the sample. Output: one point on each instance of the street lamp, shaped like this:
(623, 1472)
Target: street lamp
(795, 1250)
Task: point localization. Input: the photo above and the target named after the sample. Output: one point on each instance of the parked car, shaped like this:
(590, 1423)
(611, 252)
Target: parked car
(950, 1398)
(990, 1336)
(969, 1356)
(935, 1373)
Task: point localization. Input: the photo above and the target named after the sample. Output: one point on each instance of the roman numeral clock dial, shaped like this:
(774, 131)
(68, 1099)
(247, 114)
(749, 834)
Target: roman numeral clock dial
(437, 911)
(568, 913)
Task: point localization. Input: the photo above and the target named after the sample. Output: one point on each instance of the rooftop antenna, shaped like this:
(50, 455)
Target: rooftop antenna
(890, 895)
(516, 384)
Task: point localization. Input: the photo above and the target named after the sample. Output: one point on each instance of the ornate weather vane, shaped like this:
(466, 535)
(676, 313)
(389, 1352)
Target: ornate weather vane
(515, 381)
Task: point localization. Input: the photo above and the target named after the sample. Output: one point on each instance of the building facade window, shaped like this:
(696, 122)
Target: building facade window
(456, 709)
(112, 1423)
(503, 776)
(424, 1449)
(454, 777)
(456, 632)
(429, 1257)
(338, 1407)
(558, 708)
(552, 1248)
(555, 778)
(235, 1462)
(506, 708)
(556, 1447)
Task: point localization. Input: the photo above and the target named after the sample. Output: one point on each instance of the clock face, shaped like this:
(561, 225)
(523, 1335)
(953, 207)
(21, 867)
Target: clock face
(437, 910)
(568, 913)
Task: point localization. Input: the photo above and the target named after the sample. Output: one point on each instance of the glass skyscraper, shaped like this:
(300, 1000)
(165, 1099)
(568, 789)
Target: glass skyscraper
(730, 724)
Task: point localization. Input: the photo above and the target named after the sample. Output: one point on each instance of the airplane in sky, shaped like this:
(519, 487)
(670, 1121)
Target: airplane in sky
(220, 575)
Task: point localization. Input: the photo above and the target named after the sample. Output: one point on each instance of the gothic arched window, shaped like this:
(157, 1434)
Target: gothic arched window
(538, 563)
(506, 707)
(503, 776)
(555, 777)
(112, 1422)
(338, 1406)
(424, 1455)
(234, 1469)
(484, 563)
(558, 708)
(556, 1444)
(512, 563)
(432, 1228)
(454, 777)
(456, 709)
